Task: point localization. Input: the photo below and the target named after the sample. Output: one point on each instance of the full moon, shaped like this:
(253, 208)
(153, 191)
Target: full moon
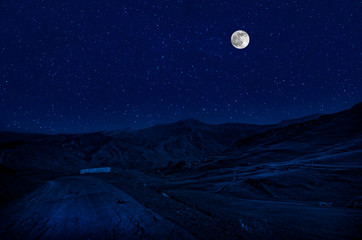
(240, 39)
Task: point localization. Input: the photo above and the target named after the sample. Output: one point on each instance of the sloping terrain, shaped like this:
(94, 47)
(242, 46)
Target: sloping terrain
(299, 179)
(84, 208)
(189, 141)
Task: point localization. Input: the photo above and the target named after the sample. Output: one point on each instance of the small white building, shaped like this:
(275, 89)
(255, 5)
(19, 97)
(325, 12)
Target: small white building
(95, 170)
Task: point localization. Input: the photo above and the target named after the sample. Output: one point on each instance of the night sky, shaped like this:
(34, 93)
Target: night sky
(89, 65)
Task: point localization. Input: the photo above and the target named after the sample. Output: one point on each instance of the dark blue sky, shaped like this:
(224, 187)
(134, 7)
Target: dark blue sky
(87, 65)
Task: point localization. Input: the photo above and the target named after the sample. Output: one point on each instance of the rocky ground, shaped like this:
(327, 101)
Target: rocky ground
(301, 179)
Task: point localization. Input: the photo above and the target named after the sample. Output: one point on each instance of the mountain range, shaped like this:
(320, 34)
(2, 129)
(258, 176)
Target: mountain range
(300, 179)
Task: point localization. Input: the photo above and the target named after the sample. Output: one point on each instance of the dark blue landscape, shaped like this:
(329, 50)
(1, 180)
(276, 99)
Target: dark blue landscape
(180, 119)
(299, 179)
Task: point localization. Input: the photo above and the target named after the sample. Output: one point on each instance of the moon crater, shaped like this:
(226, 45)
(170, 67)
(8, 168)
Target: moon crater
(240, 39)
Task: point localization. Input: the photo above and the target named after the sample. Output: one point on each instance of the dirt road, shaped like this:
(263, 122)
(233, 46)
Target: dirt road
(84, 207)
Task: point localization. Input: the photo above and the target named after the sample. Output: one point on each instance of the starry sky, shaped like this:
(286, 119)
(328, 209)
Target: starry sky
(88, 65)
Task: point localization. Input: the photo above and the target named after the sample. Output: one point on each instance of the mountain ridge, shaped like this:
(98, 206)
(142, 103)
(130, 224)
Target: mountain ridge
(152, 148)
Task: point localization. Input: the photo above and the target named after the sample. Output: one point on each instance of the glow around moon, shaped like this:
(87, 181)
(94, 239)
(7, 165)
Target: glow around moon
(240, 39)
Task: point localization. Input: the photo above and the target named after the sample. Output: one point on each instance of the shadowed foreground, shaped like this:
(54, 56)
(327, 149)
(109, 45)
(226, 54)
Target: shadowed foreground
(84, 208)
(299, 179)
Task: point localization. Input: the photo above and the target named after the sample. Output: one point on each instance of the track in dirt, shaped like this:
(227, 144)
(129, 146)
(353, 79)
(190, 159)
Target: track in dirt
(84, 207)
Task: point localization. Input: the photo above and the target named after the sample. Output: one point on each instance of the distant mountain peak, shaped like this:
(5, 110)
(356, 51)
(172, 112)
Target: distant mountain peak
(298, 120)
(191, 121)
(357, 107)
